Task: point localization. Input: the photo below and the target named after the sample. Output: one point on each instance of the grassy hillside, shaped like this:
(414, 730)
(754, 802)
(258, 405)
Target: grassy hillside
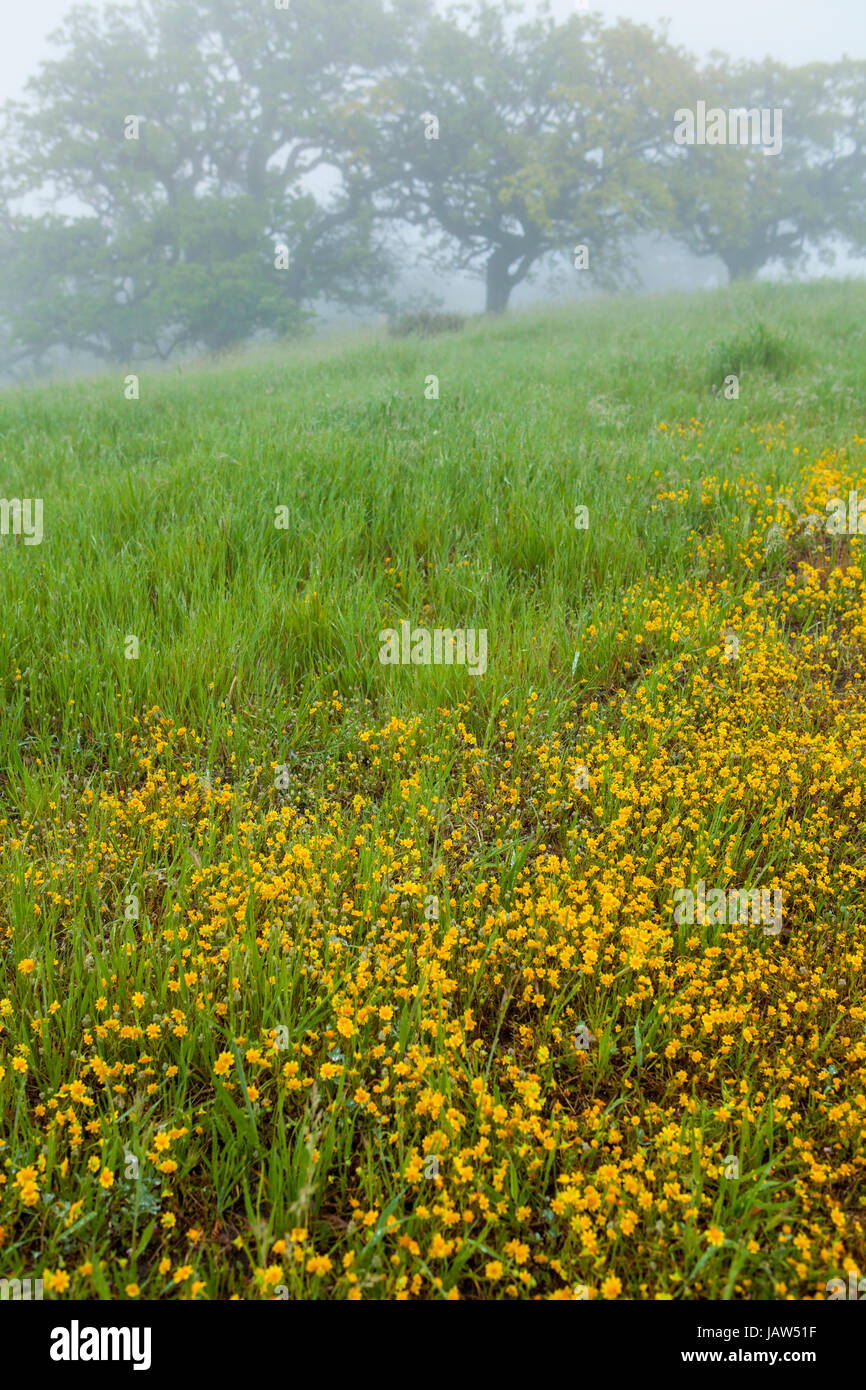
(331, 978)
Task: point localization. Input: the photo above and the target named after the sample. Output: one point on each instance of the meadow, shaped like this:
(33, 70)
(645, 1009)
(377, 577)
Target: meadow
(325, 978)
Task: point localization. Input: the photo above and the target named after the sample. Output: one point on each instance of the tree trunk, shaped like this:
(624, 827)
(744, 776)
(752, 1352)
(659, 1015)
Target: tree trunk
(739, 266)
(499, 284)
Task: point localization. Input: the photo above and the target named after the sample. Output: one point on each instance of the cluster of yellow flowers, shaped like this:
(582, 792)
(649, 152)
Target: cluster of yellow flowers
(439, 1010)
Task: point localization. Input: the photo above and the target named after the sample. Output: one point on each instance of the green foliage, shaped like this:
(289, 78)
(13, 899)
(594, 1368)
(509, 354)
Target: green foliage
(166, 504)
(549, 134)
(761, 347)
(180, 217)
(752, 208)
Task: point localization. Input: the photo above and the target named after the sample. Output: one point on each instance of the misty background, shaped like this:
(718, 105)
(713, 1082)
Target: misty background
(396, 256)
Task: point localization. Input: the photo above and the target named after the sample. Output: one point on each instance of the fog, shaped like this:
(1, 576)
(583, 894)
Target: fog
(794, 34)
(794, 31)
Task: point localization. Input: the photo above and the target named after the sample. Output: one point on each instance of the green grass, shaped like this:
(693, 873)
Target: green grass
(259, 647)
(159, 513)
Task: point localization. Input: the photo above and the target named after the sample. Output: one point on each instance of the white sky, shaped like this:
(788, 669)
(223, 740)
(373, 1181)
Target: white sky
(794, 31)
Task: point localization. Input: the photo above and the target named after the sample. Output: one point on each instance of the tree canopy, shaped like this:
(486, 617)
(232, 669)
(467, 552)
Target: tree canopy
(190, 173)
